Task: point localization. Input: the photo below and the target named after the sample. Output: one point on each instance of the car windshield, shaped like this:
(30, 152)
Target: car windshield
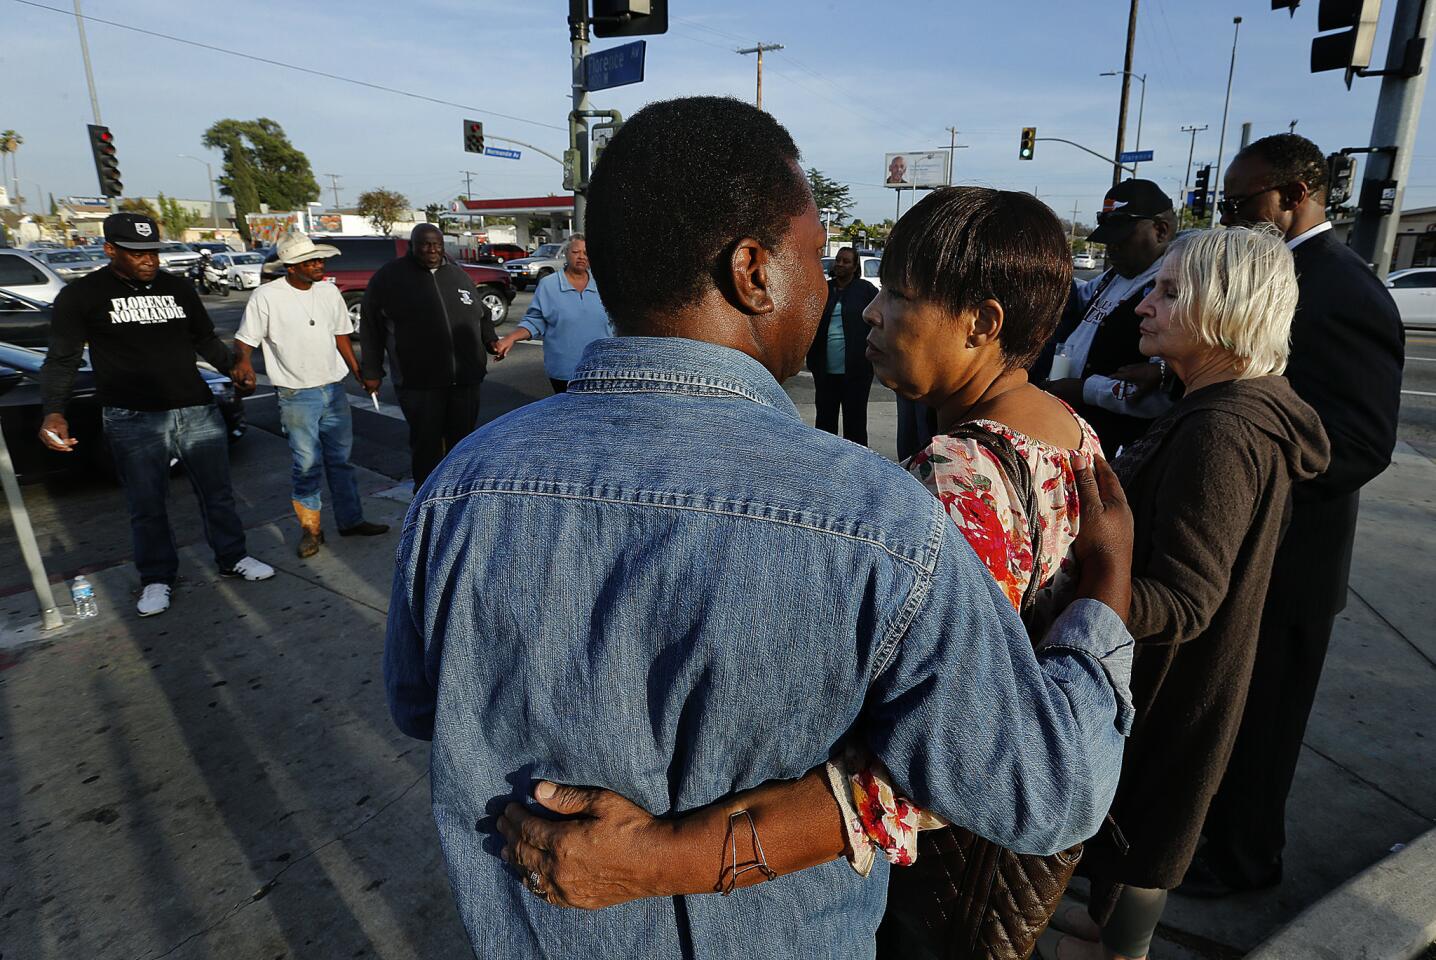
(175, 248)
(873, 268)
(67, 256)
(247, 258)
(548, 250)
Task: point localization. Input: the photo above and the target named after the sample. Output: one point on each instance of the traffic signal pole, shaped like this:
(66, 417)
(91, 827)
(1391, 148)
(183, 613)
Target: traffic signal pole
(578, 39)
(1393, 136)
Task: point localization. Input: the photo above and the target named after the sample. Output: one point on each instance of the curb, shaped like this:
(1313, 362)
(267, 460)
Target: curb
(1386, 912)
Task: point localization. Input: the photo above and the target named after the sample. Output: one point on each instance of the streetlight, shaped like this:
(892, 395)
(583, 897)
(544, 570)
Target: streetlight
(827, 213)
(209, 175)
(1141, 104)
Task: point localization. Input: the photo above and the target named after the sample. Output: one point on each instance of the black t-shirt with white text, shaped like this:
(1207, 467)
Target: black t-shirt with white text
(143, 340)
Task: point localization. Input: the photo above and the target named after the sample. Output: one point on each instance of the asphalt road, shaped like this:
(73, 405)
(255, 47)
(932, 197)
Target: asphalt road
(1418, 394)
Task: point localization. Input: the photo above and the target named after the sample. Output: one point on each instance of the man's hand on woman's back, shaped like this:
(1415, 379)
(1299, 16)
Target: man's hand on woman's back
(1104, 538)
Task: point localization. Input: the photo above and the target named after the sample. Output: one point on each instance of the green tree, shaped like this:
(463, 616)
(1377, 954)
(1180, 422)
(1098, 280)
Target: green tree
(382, 208)
(174, 218)
(260, 166)
(830, 193)
(877, 233)
(140, 205)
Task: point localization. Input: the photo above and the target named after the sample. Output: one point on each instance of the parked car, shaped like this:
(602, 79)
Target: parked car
(1084, 261)
(23, 321)
(177, 258)
(1414, 290)
(24, 273)
(21, 414)
(870, 265)
(360, 257)
(241, 268)
(213, 246)
(71, 264)
(501, 252)
(528, 271)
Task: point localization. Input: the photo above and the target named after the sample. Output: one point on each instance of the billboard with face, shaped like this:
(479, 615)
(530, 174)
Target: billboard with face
(925, 170)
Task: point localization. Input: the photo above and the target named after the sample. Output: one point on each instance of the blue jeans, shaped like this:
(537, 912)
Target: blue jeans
(321, 436)
(142, 443)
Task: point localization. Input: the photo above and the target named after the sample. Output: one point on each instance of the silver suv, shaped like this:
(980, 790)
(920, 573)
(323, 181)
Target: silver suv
(176, 258)
(528, 271)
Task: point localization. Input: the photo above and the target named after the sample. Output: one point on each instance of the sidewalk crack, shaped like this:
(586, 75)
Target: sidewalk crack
(1393, 627)
(1377, 787)
(273, 881)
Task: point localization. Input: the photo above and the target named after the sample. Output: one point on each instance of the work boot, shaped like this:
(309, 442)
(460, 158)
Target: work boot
(312, 536)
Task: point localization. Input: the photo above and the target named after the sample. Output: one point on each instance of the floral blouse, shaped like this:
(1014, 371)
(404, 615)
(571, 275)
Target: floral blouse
(978, 496)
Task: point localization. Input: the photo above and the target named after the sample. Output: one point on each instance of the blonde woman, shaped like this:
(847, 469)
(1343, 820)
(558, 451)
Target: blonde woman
(1210, 486)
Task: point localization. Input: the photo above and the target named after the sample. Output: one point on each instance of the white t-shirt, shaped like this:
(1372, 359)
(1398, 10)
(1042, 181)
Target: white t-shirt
(296, 329)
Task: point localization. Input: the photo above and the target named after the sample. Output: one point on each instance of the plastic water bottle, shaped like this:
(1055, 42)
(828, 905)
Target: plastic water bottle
(84, 596)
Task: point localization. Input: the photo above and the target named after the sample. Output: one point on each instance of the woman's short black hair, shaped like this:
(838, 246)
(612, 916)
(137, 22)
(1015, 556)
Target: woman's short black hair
(678, 185)
(959, 246)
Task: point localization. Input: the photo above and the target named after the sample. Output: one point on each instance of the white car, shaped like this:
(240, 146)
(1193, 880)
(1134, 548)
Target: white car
(241, 268)
(28, 276)
(1414, 290)
(71, 264)
(1084, 261)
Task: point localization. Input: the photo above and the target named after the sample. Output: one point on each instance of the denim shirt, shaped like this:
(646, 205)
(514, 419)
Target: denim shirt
(631, 585)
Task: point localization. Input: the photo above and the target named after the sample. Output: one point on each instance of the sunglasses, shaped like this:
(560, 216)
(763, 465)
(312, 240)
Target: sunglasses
(1230, 205)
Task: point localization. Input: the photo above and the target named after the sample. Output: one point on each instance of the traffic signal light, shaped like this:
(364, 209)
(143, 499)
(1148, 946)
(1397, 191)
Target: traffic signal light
(1350, 49)
(107, 167)
(473, 136)
(1200, 191)
(1029, 143)
(1341, 168)
(629, 18)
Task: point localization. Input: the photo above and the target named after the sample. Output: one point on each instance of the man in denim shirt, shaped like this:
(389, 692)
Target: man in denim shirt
(662, 582)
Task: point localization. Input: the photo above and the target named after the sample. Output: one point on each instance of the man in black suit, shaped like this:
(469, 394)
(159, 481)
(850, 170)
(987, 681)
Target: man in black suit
(1092, 361)
(1347, 353)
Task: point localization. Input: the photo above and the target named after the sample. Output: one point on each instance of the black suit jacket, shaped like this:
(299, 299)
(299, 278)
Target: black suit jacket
(855, 296)
(1347, 352)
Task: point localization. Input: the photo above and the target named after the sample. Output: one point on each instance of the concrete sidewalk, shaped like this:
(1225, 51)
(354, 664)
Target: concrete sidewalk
(224, 780)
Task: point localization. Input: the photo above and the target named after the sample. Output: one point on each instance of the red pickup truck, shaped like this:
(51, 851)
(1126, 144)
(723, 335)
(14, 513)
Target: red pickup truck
(360, 257)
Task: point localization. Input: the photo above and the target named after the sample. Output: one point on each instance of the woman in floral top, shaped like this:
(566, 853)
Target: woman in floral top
(973, 283)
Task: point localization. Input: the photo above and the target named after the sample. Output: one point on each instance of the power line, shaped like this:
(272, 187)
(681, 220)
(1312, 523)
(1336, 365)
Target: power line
(290, 66)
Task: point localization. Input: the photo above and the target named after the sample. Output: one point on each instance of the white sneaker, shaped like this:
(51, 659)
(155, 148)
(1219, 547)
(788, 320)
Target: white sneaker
(154, 600)
(250, 569)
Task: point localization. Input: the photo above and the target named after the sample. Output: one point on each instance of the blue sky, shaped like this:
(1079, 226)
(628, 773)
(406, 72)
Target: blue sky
(854, 81)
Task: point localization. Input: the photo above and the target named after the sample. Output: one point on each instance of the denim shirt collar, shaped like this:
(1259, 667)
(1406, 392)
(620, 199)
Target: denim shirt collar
(676, 365)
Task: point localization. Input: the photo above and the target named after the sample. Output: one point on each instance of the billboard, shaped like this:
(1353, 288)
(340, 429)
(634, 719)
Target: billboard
(269, 227)
(923, 170)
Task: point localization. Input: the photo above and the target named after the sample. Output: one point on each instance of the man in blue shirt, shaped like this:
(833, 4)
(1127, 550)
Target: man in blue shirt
(566, 314)
(662, 582)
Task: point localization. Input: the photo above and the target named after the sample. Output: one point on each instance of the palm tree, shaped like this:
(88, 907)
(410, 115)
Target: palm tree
(10, 144)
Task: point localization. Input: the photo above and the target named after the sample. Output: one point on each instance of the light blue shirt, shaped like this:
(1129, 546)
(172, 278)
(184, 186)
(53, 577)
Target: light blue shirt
(837, 340)
(566, 320)
(663, 582)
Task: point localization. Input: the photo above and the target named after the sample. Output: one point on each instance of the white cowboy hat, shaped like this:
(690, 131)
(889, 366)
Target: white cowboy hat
(295, 247)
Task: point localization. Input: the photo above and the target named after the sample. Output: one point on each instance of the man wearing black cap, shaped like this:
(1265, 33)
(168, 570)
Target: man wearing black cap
(144, 328)
(1092, 361)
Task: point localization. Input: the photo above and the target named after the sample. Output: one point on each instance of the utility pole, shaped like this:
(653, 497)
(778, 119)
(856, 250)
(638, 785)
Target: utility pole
(952, 149)
(1393, 135)
(1126, 91)
(1182, 206)
(209, 174)
(468, 183)
(334, 182)
(89, 73)
(578, 44)
(1291, 127)
(1222, 137)
(1072, 232)
(759, 51)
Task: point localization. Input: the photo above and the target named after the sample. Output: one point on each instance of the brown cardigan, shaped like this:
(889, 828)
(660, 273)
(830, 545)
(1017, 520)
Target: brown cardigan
(1210, 489)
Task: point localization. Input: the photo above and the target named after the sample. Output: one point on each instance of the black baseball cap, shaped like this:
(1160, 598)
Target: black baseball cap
(133, 231)
(1126, 204)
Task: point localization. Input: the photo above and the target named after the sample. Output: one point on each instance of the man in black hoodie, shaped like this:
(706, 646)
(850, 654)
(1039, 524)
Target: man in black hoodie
(424, 311)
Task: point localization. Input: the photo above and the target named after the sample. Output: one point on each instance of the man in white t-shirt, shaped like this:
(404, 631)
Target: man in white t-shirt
(303, 326)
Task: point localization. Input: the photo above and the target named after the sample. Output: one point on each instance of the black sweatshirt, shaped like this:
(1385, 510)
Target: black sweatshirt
(143, 339)
(432, 324)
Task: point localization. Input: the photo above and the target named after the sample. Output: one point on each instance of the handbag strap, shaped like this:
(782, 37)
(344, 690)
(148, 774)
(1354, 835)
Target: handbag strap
(1019, 474)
